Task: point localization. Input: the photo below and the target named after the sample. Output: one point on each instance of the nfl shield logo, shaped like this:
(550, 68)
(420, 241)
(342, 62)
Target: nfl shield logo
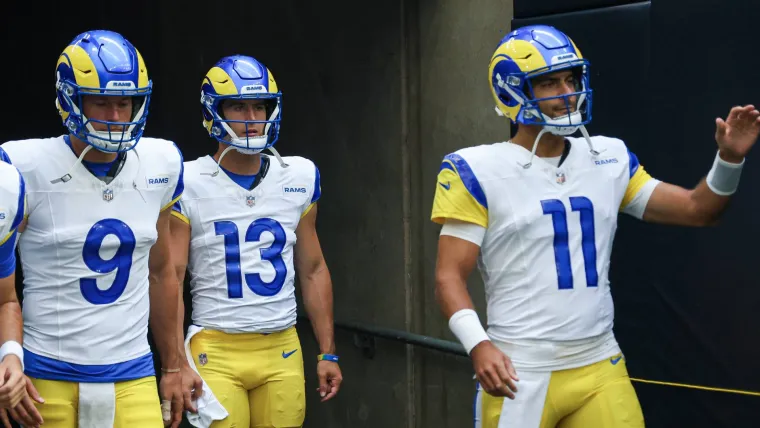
(202, 359)
(560, 177)
(250, 200)
(107, 195)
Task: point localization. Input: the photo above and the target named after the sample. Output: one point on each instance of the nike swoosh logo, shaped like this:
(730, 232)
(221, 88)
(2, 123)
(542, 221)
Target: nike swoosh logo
(446, 186)
(287, 354)
(615, 360)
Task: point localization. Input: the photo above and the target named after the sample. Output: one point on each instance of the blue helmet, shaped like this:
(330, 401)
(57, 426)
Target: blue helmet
(241, 77)
(527, 53)
(102, 63)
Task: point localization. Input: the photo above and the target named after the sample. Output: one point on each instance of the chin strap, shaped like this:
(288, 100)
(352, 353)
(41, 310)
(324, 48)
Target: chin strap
(219, 162)
(225, 151)
(66, 177)
(588, 141)
(535, 146)
(544, 130)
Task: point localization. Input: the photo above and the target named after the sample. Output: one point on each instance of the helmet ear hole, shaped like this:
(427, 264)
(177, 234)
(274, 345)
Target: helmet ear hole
(527, 89)
(137, 103)
(270, 104)
(220, 109)
(578, 77)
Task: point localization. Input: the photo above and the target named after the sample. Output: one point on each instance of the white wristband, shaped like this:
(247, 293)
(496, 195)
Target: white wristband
(12, 348)
(465, 325)
(723, 178)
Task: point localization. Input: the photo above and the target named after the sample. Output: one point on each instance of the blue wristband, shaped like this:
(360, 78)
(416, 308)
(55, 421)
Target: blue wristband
(327, 357)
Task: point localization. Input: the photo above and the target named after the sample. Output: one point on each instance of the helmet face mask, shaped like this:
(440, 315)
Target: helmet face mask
(566, 110)
(246, 118)
(528, 55)
(103, 64)
(245, 80)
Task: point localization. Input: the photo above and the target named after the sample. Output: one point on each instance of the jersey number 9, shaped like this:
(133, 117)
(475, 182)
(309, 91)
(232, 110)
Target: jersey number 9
(121, 261)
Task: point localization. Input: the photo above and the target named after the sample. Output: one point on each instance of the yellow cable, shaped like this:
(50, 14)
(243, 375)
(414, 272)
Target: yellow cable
(705, 388)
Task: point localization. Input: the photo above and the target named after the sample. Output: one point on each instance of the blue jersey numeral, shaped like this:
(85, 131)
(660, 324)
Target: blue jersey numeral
(121, 261)
(556, 209)
(272, 254)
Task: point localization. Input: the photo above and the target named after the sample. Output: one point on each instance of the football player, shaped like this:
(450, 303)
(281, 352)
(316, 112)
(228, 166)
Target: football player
(538, 214)
(15, 387)
(95, 249)
(243, 228)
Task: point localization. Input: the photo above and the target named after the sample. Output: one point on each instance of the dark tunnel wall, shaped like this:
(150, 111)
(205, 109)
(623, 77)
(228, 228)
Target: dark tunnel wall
(685, 298)
(530, 9)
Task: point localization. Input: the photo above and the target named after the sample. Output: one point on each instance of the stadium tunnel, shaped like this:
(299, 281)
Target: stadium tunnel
(376, 93)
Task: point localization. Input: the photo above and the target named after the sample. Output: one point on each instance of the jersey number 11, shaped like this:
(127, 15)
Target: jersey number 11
(556, 208)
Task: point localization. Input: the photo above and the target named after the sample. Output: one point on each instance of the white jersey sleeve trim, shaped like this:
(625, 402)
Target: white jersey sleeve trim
(638, 204)
(472, 232)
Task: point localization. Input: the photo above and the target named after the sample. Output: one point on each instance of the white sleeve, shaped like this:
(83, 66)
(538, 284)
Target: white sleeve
(179, 210)
(464, 230)
(316, 191)
(12, 206)
(638, 204)
(176, 180)
(12, 203)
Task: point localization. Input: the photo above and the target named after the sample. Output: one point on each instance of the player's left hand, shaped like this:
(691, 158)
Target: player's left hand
(171, 392)
(330, 378)
(738, 133)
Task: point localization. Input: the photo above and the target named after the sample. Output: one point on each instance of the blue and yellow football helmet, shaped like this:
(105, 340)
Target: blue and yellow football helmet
(241, 77)
(527, 53)
(102, 63)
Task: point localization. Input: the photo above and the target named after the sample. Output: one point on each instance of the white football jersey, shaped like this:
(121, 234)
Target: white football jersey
(85, 258)
(241, 244)
(12, 199)
(545, 256)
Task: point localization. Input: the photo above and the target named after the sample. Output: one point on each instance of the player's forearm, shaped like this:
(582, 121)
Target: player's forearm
(180, 271)
(164, 316)
(318, 302)
(707, 206)
(456, 260)
(180, 242)
(451, 293)
(11, 323)
(711, 196)
(456, 305)
(698, 207)
(181, 325)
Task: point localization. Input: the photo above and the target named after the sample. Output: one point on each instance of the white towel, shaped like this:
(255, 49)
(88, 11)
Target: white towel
(97, 405)
(209, 408)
